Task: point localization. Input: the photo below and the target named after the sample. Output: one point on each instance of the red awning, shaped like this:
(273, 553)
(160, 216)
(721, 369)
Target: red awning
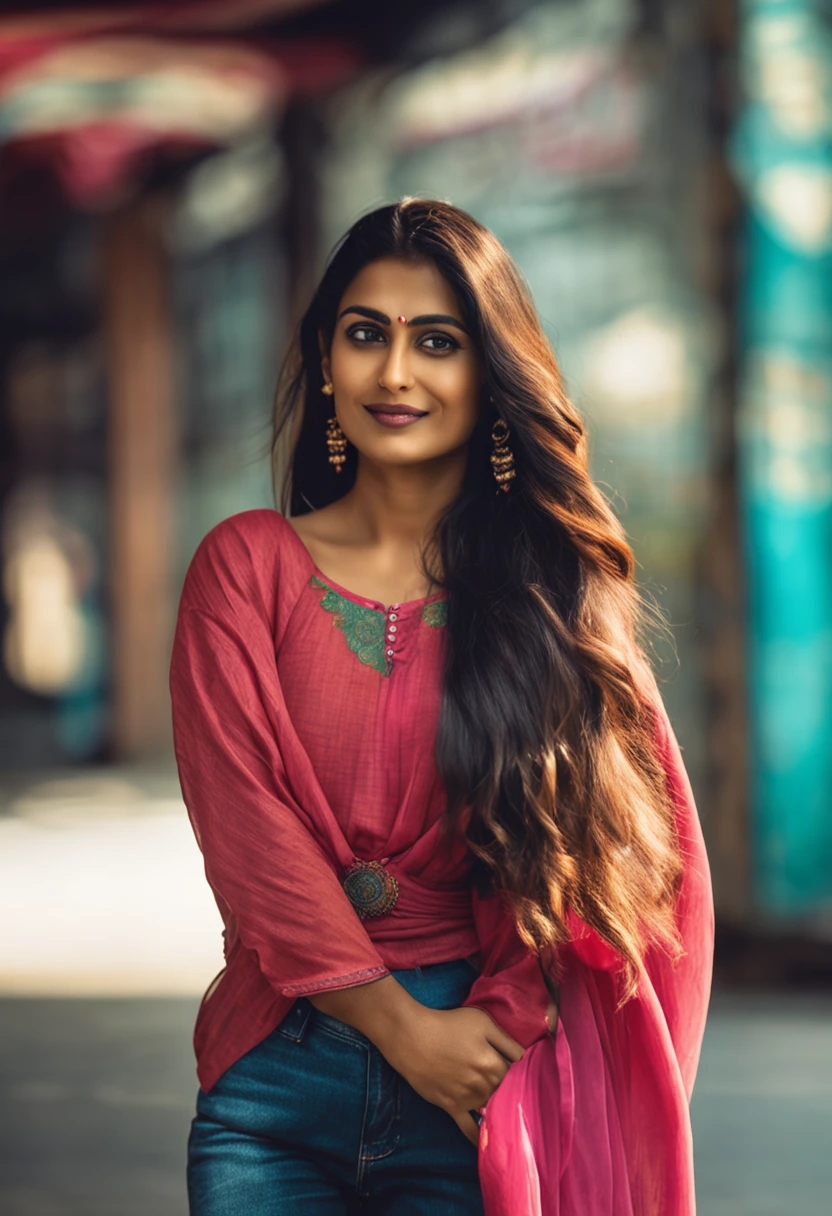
(92, 92)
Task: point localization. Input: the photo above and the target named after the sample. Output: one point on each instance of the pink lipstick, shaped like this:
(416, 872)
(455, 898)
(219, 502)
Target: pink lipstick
(394, 415)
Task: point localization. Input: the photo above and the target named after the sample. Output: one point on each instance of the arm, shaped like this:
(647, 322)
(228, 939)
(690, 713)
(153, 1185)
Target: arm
(263, 862)
(454, 1058)
(381, 1009)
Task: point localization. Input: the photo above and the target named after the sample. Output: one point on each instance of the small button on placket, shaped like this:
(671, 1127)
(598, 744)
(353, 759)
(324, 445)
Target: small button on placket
(392, 617)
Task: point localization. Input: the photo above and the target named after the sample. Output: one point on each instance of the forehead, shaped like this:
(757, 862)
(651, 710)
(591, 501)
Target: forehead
(397, 287)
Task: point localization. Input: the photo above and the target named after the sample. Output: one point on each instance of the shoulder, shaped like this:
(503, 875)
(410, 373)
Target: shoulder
(250, 559)
(246, 532)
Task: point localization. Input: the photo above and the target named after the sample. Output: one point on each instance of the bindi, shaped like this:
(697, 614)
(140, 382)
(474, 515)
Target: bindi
(402, 320)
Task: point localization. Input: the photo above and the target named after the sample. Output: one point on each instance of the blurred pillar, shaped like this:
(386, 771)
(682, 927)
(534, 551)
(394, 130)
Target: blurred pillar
(304, 139)
(142, 453)
(783, 151)
(722, 611)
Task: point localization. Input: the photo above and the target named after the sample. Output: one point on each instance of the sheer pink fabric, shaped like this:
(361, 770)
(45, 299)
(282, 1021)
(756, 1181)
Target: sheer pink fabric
(595, 1122)
(296, 755)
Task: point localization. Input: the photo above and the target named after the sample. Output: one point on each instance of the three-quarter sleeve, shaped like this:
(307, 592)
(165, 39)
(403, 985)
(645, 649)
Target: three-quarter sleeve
(510, 988)
(263, 859)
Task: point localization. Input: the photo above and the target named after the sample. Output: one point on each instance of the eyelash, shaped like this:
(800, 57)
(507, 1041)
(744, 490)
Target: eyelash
(356, 329)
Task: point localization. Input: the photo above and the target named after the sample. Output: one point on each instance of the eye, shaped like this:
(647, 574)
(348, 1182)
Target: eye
(355, 331)
(447, 343)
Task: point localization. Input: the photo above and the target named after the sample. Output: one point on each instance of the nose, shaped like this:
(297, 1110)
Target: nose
(396, 375)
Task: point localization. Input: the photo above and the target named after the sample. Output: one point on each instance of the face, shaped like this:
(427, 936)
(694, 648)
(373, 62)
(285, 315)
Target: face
(428, 364)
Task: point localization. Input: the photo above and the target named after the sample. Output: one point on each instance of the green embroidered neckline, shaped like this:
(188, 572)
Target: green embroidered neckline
(363, 627)
(435, 614)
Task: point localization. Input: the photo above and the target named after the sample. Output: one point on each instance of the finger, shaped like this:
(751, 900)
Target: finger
(503, 1043)
(508, 1047)
(468, 1127)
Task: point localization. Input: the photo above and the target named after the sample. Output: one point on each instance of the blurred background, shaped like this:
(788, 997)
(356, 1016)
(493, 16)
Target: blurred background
(172, 177)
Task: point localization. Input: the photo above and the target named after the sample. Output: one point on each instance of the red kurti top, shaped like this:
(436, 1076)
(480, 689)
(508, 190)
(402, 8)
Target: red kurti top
(304, 718)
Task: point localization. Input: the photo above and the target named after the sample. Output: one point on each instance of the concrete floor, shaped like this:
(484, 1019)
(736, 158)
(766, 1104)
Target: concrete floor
(762, 1107)
(96, 1098)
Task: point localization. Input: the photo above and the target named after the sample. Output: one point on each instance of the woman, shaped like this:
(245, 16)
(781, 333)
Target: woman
(428, 767)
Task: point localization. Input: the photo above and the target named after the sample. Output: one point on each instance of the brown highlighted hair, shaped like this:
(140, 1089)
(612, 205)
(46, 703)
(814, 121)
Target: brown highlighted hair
(546, 741)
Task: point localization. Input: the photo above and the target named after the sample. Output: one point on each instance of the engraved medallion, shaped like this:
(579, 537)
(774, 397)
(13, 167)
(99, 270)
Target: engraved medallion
(372, 890)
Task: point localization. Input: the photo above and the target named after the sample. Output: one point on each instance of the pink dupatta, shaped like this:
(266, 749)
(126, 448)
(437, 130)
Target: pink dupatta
(594, 1120)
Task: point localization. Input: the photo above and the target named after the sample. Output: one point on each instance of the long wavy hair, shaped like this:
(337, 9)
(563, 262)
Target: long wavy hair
(546, 740)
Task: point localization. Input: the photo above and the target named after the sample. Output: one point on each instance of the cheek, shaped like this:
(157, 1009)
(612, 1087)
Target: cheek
(348, 365)
(459, 389)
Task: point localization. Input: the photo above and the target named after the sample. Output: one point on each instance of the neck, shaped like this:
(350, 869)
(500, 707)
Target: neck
(400, 504)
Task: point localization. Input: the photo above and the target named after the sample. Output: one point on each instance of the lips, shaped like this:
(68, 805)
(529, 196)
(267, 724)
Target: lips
(394, 416)
(396, 408)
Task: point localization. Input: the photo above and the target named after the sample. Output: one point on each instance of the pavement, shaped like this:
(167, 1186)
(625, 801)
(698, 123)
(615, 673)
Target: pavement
(111, 938)
(762, 1106)
(103, 882)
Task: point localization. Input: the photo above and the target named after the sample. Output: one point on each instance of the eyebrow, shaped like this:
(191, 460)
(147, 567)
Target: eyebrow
(434, 318)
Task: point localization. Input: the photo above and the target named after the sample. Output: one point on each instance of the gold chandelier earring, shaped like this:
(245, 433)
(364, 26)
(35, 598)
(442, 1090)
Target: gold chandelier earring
(336, 440)
(502, 458)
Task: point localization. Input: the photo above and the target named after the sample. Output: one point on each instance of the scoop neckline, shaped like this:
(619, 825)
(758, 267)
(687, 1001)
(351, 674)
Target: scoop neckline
(365, 601)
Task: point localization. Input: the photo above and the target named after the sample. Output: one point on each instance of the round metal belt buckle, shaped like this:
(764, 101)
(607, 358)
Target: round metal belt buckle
(372, 890)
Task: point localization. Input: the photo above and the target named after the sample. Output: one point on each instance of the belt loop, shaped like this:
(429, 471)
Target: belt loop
(293, 1026)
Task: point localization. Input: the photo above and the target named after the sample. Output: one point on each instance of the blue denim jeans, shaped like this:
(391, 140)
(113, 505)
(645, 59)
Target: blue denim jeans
(314, 1120)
